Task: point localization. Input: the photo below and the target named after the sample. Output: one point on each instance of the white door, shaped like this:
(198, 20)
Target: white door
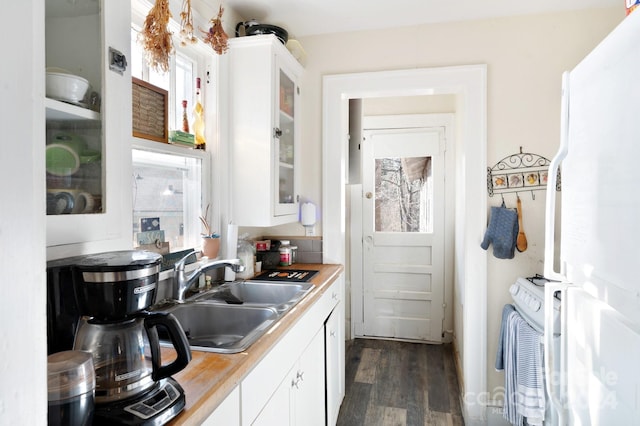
(403, 233)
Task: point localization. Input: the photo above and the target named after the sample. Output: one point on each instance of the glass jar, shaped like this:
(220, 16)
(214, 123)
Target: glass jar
(285, 253)
(247, 256)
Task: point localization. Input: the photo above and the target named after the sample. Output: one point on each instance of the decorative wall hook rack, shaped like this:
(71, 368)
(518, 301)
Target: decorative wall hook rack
(521, 172)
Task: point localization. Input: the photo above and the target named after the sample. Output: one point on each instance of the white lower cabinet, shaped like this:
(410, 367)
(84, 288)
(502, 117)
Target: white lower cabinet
(307, 385)
(276, 412)
(228, 412)
(335, 362)
(298, 399)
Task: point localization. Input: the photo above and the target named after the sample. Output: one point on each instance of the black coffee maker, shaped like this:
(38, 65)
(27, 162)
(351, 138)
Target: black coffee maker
(98, 304)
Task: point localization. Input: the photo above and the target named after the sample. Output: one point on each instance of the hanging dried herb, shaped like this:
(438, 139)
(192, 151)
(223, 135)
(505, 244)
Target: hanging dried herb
(156, 38)
(216, 36)
(186, 24)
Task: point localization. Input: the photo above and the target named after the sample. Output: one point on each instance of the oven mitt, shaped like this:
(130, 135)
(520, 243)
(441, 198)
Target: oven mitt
(502, 232)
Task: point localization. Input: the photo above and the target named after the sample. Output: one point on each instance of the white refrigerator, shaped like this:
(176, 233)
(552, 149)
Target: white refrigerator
(594, 376)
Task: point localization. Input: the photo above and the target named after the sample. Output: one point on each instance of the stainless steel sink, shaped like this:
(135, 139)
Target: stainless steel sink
(231, 317)
(213, 327)
(278, 295)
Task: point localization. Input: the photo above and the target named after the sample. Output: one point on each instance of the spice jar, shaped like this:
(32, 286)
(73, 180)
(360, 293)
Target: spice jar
(285, 253)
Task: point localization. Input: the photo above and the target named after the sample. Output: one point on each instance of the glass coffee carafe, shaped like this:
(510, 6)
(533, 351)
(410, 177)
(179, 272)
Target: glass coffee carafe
(126, 354)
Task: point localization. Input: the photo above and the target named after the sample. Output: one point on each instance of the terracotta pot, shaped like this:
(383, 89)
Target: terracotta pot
(210, 247)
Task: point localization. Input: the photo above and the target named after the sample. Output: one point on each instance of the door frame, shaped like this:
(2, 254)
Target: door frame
(469, 84)
(356, 254)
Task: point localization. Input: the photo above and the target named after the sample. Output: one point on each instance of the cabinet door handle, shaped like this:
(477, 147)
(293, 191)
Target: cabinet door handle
(294, 383)
(334, 296)
(300, 376)
(277, 133)
(332, 333)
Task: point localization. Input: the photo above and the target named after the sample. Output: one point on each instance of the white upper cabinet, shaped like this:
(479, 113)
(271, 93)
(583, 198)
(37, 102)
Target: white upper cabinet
(87, 141)
(264, 130)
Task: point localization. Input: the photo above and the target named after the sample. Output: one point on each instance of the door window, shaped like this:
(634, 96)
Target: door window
(404, 194)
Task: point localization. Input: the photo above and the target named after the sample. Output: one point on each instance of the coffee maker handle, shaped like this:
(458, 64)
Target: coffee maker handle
(178, 340)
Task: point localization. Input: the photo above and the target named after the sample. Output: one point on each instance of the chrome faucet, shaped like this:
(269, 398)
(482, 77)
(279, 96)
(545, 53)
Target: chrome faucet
(183, 282)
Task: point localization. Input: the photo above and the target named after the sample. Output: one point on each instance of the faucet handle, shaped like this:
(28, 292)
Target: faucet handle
(179, 265)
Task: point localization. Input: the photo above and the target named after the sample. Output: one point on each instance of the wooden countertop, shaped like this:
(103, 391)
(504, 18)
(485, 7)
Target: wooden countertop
(210, 377)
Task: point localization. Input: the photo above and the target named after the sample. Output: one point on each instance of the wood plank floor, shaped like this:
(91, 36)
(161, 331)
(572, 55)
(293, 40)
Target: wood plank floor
(391, 383)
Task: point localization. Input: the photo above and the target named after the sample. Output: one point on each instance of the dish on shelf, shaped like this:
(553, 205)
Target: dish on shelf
(66, 87)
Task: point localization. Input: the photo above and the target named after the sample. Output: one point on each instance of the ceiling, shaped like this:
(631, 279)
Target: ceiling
(312, 17)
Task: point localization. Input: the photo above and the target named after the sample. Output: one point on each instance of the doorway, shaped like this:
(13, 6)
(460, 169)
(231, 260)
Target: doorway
(468, 84)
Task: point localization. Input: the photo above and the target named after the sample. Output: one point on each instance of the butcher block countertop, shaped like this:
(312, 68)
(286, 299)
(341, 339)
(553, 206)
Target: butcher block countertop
(210, 377)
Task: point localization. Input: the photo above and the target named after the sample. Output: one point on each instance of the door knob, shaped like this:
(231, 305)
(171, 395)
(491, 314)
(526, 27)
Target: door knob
(369, 195)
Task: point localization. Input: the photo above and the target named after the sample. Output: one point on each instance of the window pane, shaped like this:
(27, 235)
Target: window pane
(404, 195)
(137, 57)
(167, 188)
(184, 91)
(160, 79)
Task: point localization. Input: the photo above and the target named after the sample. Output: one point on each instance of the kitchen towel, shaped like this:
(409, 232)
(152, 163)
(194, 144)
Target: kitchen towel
(524, 398)
(502, 232)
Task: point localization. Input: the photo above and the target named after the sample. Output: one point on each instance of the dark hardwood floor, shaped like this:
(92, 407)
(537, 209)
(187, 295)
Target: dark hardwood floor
(399, 383)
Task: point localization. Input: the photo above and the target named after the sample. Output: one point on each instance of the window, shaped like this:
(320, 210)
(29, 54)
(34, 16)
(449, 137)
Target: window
(179, 81)
(169, 182)
(167, 192)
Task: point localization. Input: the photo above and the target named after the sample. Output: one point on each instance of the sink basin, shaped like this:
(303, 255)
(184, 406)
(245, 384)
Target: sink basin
(213, 327)
(230, 317)
(278, 295)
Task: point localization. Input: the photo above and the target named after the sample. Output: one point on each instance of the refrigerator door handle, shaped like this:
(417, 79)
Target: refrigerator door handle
(555, 378)
(550, 219)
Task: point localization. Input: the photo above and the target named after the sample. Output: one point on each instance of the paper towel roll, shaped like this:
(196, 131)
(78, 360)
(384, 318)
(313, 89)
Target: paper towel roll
(231, 250)
(308, 215)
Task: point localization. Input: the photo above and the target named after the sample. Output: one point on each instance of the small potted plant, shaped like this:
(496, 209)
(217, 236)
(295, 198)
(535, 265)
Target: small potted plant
(210, 240)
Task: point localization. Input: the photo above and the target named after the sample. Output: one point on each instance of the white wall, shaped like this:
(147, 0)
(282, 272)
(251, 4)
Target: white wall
(525, 56)
(23, 344)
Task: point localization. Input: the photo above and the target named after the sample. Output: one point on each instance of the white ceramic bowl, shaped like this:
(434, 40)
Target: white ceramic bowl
(66, 87)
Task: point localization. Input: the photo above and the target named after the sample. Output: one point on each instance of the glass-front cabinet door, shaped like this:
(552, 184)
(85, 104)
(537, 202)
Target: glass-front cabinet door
(86, 134)
(261, 78)
(285, 136)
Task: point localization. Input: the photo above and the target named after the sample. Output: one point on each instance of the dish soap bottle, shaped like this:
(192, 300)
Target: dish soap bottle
(198, 122)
